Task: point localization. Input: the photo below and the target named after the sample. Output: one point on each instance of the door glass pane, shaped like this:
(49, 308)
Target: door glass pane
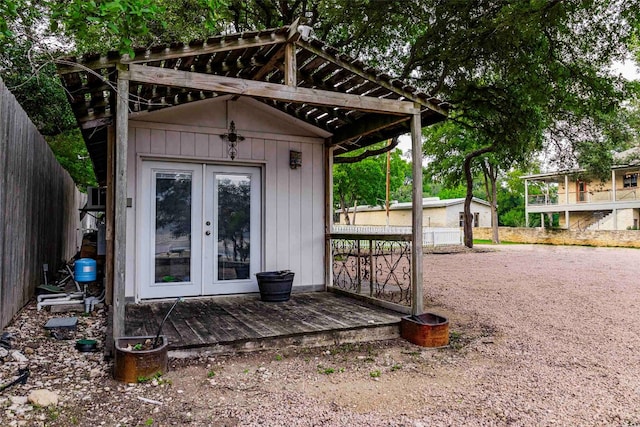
(173, 227)
(234, 208)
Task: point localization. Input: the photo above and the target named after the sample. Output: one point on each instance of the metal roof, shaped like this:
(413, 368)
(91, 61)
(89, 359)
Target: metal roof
(255, 56)
(427, 203)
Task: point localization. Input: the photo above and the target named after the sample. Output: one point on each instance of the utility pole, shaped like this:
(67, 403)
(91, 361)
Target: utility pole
(388, 182)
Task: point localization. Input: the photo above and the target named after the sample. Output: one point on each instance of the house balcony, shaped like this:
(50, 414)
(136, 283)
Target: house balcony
(621, 198)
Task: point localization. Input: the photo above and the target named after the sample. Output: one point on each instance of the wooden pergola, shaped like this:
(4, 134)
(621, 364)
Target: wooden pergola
(284, 68)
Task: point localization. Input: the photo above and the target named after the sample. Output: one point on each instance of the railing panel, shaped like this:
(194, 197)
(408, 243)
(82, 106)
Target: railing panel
(543, 199)
(590, 196)
(624, 194)
(375, 266)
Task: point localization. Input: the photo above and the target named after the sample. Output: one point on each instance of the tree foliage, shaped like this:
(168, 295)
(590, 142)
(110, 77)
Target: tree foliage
(364, 182)
(72, 155)
(516, 74)
(8, 11)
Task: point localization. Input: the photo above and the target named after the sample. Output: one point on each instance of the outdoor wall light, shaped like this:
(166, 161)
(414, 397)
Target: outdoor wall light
(295, 159)
(232, 139)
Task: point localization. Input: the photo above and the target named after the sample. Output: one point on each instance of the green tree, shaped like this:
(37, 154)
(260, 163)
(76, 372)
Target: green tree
(8, 12)
(72, 155)
(361, 182)
(364, 181)
(514, 72)
(511, 200)
(455, 192)
(27, 62)
(123, 24)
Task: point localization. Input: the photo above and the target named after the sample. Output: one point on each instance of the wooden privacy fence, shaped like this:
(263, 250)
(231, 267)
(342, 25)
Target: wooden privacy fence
(431, 236)
(38, 208)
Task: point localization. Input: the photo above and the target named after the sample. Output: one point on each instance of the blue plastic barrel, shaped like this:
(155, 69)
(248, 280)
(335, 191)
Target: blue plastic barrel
(85, 270)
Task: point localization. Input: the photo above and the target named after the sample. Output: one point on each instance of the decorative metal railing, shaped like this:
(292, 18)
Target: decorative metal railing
(373, 265)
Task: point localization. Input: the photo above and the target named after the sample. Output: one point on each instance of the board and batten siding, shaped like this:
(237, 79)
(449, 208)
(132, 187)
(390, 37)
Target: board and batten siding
(293, 199)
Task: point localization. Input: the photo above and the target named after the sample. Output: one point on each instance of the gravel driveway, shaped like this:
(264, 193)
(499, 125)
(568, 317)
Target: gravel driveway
(541, 335)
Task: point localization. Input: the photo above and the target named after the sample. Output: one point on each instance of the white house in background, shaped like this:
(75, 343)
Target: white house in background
(587, 203)
(435, 213)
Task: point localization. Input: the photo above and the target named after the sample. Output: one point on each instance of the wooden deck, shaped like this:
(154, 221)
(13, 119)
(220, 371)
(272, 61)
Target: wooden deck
(244, 323)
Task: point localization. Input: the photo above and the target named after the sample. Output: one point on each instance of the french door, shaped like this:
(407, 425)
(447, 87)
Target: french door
(201, 229)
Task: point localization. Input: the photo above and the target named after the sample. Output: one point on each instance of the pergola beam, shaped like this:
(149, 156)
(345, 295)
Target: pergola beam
(209, 82)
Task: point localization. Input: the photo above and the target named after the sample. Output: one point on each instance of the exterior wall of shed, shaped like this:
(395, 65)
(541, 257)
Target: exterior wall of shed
(293, 200)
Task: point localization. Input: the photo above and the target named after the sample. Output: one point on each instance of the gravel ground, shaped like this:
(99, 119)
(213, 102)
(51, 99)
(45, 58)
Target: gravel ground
(540, 335)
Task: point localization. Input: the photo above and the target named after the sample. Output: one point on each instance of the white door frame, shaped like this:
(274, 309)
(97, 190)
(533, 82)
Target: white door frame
(147, 287)
(212, 284)
(203, 279)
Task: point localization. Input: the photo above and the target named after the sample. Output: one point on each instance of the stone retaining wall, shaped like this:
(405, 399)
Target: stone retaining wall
(620, 238)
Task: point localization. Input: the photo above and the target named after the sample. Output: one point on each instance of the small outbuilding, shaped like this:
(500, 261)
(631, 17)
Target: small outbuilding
(217, 157)
(447, 213)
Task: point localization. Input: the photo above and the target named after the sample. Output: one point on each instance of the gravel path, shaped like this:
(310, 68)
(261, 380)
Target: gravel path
(541, 335)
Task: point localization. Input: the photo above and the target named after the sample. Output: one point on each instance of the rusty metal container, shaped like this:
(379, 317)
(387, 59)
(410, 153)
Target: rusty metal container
(425, 330)
(132, 365)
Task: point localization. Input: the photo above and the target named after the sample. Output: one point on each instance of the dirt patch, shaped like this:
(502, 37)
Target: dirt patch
(540, 335)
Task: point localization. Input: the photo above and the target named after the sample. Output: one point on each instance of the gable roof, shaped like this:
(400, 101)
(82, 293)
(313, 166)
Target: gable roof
(240, 59)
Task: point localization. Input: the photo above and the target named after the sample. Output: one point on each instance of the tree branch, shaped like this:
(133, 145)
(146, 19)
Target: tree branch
(369, 153)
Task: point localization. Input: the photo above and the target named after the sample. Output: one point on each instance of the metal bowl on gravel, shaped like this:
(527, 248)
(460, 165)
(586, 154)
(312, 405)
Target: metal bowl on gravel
(86, 346)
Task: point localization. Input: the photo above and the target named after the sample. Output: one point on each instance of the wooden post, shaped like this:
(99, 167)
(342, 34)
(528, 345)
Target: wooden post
(120, 204)
(109, 215)
(328, 215)
(290, 66)
(416, 240)
(388, 183)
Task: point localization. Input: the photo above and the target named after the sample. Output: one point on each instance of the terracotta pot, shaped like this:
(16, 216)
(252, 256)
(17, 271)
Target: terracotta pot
(426, 330)
(132, 365)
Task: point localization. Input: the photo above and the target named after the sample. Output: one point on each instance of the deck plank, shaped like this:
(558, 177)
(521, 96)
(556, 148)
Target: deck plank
(214, 320)
(234, 320)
